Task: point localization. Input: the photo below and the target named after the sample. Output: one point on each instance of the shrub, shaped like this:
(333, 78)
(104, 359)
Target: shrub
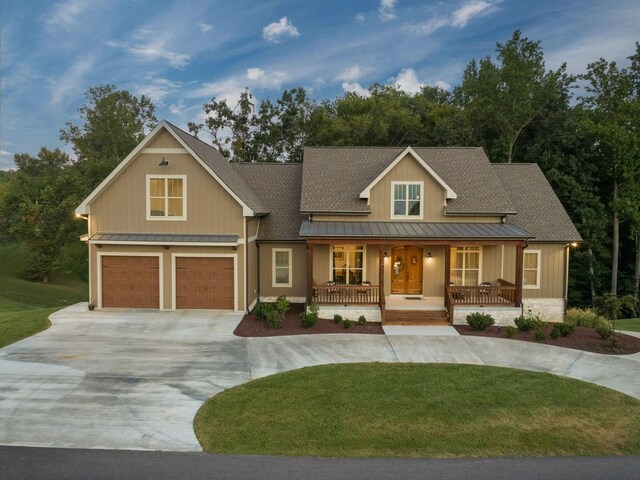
(528, 321)
(480, 321)
(584, 318)
(362, 320)
(274, 319)
(511, 331)
(555, 334)
(539, 335)
(346, 323)
(310, 317)
(260, 310)
(563, 329)
(282, 305)
(337, 318)
(91, 306)
(605, 331)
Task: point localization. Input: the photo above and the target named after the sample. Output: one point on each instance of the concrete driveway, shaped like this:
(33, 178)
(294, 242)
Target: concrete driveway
(135, 379)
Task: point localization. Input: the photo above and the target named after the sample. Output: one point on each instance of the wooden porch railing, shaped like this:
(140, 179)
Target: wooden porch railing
(504, 295)
(346, 294)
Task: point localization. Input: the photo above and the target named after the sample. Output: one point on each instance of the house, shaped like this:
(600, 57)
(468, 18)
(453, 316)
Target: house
(397, 234)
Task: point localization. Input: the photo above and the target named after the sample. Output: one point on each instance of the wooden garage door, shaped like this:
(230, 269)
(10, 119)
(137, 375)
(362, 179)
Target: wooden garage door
(204, 282)
(131, 282)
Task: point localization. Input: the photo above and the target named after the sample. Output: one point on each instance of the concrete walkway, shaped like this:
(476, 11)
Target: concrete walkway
(135, 379)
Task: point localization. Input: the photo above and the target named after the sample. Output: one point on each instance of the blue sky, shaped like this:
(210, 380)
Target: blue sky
(181, 53)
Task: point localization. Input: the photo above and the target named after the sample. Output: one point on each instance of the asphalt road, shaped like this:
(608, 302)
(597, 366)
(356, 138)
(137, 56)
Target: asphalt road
(56, 463)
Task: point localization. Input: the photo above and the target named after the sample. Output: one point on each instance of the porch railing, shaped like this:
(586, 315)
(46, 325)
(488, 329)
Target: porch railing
(502, 294)
(346, 294)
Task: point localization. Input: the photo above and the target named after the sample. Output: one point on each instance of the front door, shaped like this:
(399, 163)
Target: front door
(406, 270)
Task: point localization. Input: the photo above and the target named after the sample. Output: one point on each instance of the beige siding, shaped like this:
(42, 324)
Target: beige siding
(122, 205)
(551, 270)
(299, 268)
(433, 272)
(164, 140)
(166, 254)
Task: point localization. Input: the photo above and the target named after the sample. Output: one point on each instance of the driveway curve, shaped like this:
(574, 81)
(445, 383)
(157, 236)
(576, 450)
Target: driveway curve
(135, 379)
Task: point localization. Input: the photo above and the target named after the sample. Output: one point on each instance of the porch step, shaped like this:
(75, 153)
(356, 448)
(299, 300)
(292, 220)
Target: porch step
(416, 317)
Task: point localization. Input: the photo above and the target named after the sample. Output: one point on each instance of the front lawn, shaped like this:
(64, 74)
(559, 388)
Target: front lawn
(629, 324)
(415, 410)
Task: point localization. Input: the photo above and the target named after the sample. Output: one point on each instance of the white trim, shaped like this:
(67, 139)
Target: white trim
(245, 269)
(162, 244)
(253, 304)
(83, 208)
(420, 216)
(131, 254)
(538, 270)
(502, 262)
(183, 217)
(449, 191)
(364, 260)
(171, 151)
(212, 255)
(275, 284)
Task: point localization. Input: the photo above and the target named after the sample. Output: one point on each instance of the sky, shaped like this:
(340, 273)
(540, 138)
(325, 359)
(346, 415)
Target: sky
(183, 53)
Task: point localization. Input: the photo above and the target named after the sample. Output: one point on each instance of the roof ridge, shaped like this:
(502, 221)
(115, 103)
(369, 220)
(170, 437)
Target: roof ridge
(391, 147)
(192, 136)
(266, 163)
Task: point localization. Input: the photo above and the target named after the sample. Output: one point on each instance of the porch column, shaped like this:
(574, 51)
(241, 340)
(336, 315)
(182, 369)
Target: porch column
(447, 267)
(519, 273)
(381, 279)
(309, 273)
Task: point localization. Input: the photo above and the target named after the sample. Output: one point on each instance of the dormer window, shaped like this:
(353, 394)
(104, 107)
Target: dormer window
(406, 200)
(166, 197)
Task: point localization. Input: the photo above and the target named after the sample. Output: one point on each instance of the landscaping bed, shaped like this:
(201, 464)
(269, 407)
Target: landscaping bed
(582, 339)
(254, 326)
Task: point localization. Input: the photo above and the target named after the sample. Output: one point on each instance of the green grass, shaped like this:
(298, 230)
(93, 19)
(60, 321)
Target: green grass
(25, 306)
(413, 410)
(629, 324)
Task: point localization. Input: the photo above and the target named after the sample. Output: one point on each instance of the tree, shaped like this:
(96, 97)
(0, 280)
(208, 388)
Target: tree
(501, 99)
(38, 206)
(114, 123)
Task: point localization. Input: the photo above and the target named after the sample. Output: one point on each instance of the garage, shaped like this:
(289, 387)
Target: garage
(205, 282)
(130, 281)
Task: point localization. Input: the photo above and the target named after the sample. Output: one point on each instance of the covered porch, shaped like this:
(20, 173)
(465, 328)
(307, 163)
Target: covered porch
(415, 278)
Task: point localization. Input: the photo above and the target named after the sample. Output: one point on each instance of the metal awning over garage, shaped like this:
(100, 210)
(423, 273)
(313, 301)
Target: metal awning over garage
(164, 239)
(414, 230)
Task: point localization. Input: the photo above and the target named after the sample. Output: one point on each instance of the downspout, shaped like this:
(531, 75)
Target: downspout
(566, 278)
(246, 264)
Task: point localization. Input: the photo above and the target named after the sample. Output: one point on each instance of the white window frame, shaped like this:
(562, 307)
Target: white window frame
(274, 282)
(393, 194)
(166, 198)
(465, 249)
(364, 260)
(538, 269)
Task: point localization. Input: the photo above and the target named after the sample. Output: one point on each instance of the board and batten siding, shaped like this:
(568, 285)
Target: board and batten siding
(252, 261)
(121, 207)
(299, 270)
(552, 270)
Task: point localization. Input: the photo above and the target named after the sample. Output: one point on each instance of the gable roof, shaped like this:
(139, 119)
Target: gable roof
(278, 186)
(539, 209)
(334, 177)
(210, 159)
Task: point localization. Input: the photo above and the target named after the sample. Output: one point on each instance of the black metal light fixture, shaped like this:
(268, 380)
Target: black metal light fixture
(164, 162)
(429, 257)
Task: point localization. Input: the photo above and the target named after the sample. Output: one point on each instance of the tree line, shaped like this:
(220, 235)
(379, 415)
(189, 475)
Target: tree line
(582, 130)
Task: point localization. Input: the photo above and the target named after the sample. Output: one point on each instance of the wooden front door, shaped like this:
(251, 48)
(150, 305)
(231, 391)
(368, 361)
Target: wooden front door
(130, 281)
(406, 270)
(205, 282)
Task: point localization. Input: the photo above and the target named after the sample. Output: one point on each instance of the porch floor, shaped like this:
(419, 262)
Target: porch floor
(414, 302)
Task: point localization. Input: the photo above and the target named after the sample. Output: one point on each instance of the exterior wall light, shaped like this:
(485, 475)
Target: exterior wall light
(164, 162)
(429, 257)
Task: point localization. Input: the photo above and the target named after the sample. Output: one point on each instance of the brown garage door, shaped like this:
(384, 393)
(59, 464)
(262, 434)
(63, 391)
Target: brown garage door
(131, 282)
(204, 282)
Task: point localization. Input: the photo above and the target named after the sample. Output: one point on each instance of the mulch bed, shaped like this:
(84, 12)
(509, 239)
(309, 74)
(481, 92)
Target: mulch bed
(582, 339)
(253, 326)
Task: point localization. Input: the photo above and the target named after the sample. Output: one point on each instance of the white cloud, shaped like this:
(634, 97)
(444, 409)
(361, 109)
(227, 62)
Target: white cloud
(387, 10)
(441, 84)
(4, 153)
(276, 30)
(152, 50)
(430, 26)
(71, 82)
(157, 89)
(260, 78)
(355, 87)
(6, 160)
(65, 14)
(351, 74)
(205, 27)
(407, 80)
(178, 109)
(360, 17)
(469, 10)
(230, 88)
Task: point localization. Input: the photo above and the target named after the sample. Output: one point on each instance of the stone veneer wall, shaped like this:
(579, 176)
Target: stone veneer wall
(372, 314)
(549, 309)
(503, 315)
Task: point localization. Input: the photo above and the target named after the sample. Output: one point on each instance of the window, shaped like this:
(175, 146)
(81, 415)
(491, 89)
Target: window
(347, 264)
(406, 199)
(531, 271)
(281, 261)
(465, 266)
(166, 197)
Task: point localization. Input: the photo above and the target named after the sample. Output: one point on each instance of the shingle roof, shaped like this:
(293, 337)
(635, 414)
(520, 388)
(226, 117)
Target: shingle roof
(278, 186)
(163, 238)
(416, 230)
(539, 209)
(333, 178)
(221, 166)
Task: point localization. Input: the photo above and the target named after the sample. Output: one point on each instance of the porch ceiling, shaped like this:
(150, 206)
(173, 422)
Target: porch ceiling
(414, 230)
